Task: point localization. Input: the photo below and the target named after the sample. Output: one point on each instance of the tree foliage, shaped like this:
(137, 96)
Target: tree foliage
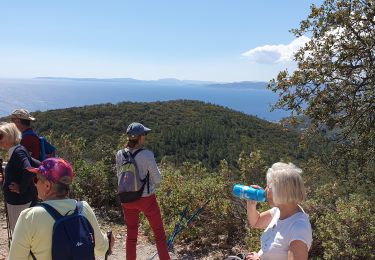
(181, 131)
(334, 84)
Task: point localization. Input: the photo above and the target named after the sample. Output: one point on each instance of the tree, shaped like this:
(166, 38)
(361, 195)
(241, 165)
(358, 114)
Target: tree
(334, 83)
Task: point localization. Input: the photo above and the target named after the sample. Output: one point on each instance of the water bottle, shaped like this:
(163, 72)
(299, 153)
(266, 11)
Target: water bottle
(249, 193)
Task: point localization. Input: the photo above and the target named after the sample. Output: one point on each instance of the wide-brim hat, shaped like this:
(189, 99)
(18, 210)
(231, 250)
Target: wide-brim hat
(22, 114)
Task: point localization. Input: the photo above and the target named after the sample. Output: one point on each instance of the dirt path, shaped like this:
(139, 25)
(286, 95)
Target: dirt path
(3, 234)
(144, 248)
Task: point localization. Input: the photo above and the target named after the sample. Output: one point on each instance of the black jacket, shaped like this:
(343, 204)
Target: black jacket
(15, 171)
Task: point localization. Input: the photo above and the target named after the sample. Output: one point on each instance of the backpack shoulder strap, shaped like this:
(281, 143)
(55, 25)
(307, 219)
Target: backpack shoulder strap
(148, 181)
(51, 210)
(126, 153)
(42, 152)
(29, 132)
(137, 152)
(86, 222)
(79, 207)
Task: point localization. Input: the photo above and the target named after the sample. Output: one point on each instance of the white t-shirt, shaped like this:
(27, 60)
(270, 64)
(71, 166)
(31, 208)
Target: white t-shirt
(276, 238)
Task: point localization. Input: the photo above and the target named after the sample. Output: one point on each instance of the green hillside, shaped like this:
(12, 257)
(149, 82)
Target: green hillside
(190, 140)
(182, 130)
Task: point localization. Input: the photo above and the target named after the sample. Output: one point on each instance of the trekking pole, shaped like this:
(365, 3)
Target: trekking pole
(109, 251)
(5, 206)
(187, 223)
(178, 228)
(197, 212)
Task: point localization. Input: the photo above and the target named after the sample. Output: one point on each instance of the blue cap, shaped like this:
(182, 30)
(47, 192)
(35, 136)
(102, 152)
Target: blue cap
(135, 129)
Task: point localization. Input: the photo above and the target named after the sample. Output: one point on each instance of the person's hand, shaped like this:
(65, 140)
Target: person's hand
(252, 256)
(14, 187)
(253, 202)
(1, 178)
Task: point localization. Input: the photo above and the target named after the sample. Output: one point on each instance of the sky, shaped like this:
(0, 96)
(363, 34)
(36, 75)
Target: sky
(211, 40)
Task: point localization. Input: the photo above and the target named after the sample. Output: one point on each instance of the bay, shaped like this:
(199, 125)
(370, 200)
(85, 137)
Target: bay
(52, 93)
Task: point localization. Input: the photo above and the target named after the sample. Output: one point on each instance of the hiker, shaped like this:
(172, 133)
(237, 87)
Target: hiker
(146, 164)
(34, 229)
(22, 119)
(287, 233)
(18, 187)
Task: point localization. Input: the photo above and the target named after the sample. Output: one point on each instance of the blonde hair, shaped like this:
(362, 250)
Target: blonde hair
(286, 183)
(11, 132)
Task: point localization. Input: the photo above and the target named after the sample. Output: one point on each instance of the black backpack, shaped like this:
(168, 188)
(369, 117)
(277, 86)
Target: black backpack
(72, 236)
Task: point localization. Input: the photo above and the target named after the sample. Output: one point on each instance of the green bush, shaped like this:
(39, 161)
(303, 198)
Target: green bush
(340, 199)
(223, 223)
(348, 231)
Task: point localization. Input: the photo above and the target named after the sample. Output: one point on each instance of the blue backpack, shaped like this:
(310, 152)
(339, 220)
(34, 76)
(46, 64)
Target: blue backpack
(46, 150)
(72, 236)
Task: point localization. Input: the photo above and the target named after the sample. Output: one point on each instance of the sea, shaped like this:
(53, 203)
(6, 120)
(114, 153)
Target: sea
(41, 94)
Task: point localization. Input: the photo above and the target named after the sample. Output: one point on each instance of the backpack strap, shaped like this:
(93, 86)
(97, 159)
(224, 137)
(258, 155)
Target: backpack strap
(29, 132)
(136, 152)
(79, 207)
(147, 178)
(126, 153)
(148, 181)
(51, 210)
(42, 152)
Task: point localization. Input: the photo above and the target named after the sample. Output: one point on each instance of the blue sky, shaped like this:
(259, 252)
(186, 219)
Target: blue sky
(216, 40)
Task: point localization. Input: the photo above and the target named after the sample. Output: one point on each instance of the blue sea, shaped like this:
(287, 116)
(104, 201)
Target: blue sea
(50, 93)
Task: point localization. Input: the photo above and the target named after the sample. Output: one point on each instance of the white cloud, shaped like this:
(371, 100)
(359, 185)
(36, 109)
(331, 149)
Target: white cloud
(276, 53)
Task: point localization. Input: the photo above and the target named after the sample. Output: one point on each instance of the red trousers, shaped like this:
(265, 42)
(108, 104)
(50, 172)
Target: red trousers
(150, 208)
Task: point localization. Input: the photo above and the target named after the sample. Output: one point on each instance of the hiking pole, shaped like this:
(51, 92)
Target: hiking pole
(187, 223)
(109, 251)
(197, 212)
(5, 206)
(178, 228)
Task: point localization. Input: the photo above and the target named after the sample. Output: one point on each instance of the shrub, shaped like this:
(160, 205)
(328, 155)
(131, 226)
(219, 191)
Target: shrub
(348, 231)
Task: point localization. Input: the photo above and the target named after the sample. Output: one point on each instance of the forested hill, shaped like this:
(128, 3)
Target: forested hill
(181, 130)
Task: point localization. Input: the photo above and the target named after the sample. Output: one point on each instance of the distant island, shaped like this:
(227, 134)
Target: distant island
(44, 93)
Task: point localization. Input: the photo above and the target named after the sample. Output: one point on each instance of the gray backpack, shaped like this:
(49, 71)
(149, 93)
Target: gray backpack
(130, 184)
